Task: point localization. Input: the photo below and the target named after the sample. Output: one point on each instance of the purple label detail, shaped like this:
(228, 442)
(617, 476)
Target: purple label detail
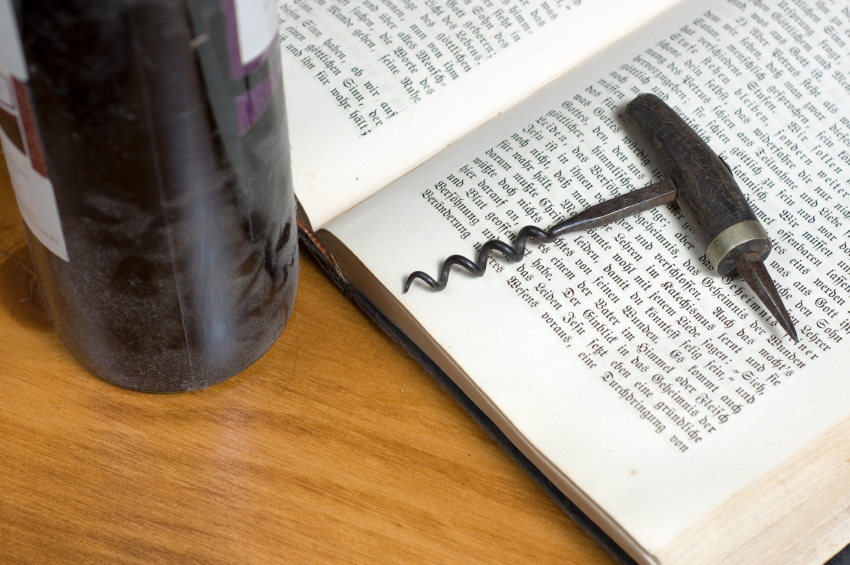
(237, 69)
(251, 105)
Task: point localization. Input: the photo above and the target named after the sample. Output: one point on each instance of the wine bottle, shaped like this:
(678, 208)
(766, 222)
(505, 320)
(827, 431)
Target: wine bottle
(152, 134)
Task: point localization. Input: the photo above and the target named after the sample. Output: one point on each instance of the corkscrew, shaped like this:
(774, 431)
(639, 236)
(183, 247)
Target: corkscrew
(699, 181)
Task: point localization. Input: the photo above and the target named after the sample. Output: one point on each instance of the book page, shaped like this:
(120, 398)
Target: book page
(375, 87)
(657, 387)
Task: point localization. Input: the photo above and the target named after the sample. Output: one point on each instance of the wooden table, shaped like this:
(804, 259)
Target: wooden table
(336, 446)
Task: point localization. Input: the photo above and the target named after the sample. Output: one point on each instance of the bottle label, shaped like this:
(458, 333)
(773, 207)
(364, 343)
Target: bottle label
(251, 31)
(21, 141)
(251, 39)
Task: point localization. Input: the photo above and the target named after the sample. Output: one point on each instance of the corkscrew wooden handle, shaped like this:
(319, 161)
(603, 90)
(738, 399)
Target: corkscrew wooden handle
(707, 193)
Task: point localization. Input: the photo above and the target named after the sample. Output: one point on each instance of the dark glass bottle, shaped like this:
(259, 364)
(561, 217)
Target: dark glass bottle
(168, 155)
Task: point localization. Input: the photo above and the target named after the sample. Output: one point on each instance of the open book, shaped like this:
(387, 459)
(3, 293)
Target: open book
(662, 399)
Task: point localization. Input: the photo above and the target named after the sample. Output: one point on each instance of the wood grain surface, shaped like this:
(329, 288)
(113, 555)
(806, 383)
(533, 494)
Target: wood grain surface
(335, 447)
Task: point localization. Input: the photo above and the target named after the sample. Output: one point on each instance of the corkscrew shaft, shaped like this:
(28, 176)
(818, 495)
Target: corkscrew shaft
(595, 216)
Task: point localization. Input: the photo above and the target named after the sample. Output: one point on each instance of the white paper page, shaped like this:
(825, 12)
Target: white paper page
(613, 350)
(375, 87)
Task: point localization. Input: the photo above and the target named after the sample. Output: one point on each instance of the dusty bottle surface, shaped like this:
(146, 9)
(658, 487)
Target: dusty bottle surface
(147, 144)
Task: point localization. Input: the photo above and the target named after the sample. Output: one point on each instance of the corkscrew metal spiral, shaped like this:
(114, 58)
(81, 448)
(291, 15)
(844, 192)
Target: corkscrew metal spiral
(595, 216)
